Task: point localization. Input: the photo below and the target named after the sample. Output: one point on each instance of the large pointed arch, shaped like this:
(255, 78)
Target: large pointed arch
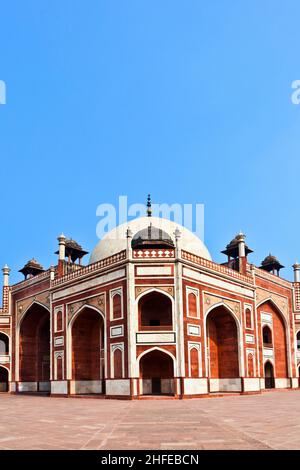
(227, 307)
(6, 340)
(86, 350)
(4, 378)
(33, 348)
(92, 307)
(240, 345)
(280, 316)
(276, 306)
(33, 303)
(231, 366)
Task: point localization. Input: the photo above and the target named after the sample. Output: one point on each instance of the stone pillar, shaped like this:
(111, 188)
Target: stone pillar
(132, 320)
(61, 254)
(5, 291)
(296, 268)
(178, 317)
(6, 271)
(62, 247)
(52, 273)
(129, 239)
(242, 253)
(177, 235)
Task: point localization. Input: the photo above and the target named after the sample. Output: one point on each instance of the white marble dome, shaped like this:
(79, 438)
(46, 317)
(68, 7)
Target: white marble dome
(116, 240)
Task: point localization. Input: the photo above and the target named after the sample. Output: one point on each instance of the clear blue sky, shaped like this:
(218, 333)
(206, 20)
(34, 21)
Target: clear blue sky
(188, 100)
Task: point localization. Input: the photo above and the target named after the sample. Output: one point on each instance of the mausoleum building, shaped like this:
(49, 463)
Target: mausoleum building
(150, 314)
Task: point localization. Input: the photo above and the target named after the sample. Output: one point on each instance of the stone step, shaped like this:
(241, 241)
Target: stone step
(156, 397)
(88, 395)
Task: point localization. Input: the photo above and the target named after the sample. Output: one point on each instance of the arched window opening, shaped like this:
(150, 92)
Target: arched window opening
(117, 306)
(267, 337)
(250, 365)
(59, 368)
(248, 318)
(298, 341)
(118, 366)
(155, 312)
(59, 321)
(194, 362)
(192, 305)
(4, 344)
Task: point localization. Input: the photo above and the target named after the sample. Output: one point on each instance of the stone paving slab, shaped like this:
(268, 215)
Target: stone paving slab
(267, 421)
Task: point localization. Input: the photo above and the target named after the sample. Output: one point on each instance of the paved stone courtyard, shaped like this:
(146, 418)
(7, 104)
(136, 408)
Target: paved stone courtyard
(267, 421)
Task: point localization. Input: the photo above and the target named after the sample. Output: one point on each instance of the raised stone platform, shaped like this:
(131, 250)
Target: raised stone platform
(264, 421)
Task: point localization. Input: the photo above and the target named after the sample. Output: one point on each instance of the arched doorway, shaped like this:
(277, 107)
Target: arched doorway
(157, 373)
(269, 375)
(155, 312)
(223, 344)
(3, 379)
(34, 351)
(87, 352)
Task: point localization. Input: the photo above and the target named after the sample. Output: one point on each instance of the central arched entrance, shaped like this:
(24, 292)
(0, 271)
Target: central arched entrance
(3, 379)
(34, 353)
(269, 375)
(157, 373)
(223, 349)
(88, 352)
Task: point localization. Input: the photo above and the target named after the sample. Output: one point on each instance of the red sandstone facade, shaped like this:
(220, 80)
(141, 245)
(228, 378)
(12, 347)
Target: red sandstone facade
(150, 319)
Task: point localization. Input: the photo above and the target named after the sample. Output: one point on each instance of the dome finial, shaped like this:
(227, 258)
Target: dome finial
(149, 208)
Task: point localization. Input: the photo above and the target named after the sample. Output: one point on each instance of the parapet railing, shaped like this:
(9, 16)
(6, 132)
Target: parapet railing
(32, 280)
(90, 268)
(272, 277)
(154, 253)
(206, 263)
(71, 267)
